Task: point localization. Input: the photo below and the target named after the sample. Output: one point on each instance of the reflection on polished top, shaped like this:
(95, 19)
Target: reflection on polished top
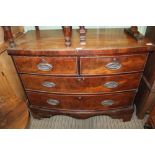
(96, 39)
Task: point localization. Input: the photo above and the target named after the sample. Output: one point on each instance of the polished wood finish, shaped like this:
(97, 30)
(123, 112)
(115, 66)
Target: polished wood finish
(7, 30)
(146, 96)
(122, 113)
(81, 85)
(97, 65)
(9, 81)
(13, 109)
(67, 30)
(99, 42)
(61, 65)
(81, 102)
(13, 113)
(79, 76)
(15, 32)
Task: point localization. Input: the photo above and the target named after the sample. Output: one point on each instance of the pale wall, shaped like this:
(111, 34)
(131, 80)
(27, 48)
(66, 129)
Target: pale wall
(142, 29)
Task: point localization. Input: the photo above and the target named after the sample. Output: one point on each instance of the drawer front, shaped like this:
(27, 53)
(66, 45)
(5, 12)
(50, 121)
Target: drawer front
(84, 102)
(112, 65)
(46, 65)
(81, 85)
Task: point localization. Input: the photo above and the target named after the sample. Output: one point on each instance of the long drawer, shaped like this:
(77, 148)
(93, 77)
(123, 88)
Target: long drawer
(46, 65)
(84, 102)
(96, 84)
(112, 65)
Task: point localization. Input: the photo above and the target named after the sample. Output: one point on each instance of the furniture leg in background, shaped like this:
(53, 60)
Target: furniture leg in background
(67, 30)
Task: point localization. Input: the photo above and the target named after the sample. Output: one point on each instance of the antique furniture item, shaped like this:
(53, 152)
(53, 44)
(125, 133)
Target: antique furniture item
(94, 75)
(13, 110)
(145, 98)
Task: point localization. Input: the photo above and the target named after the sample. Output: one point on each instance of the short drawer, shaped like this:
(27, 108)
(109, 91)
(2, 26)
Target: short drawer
(85, 85)
(83, 102)
(46, 65)
(112, 65)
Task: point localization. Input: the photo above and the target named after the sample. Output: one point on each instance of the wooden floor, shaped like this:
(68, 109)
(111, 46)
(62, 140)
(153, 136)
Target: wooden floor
(98, 122)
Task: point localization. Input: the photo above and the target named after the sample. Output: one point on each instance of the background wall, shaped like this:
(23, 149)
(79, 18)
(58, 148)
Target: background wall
(142, 29)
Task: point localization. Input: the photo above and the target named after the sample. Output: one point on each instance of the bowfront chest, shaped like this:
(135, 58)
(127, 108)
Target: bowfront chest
(100, 77)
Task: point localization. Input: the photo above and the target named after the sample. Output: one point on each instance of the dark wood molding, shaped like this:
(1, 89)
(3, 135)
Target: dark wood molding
(124, 113)
(133, 32)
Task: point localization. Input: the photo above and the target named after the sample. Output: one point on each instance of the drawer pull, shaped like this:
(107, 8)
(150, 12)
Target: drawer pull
(44, 66)
(107, 102)
(111, 84)
(48, 84)
(79, 98)
(113, 65)
(53, 102)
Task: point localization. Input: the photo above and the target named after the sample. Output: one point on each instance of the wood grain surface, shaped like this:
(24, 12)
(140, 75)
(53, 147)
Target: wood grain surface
(97, 65)
(13, 113)
(81, 102)
(9, 81)
(79, 72)
(81, 85)
(98, 41)
(61, 65)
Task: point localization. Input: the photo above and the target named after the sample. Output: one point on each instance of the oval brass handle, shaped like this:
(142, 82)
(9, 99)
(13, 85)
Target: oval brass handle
(107, 102)
(111, 84)
(48, 84)
(44, 66)
(53, 102)
(113, 65)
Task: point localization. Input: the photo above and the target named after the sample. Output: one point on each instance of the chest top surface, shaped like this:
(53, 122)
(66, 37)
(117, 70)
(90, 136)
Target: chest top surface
(97, 40)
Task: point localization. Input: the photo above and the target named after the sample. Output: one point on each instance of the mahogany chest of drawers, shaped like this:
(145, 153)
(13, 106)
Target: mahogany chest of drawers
(99, 78)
